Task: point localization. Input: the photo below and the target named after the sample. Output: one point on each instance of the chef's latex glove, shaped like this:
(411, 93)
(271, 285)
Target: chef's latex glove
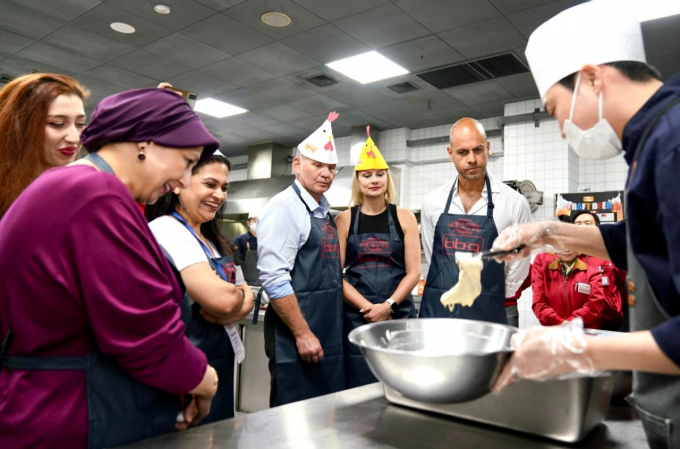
(542, 353)
(540, 236)
(377, 312)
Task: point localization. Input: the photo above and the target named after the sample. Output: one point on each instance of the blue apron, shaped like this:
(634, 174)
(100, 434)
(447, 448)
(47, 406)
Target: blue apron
(375, 266)
(464, 233)
(317, 283)
(213, 340)
(120, 409)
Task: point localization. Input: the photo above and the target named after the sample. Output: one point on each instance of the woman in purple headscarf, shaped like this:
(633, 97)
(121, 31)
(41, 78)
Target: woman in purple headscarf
(94, 351)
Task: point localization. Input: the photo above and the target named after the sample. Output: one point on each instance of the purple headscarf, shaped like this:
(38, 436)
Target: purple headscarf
(147, 115)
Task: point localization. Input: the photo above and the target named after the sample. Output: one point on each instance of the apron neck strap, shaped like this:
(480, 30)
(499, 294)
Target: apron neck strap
(299, 194)
(206, 250)
(100, 163)
(390, 222)
(489, 203)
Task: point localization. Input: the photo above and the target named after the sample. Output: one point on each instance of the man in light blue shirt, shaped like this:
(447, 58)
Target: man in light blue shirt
(299, 263)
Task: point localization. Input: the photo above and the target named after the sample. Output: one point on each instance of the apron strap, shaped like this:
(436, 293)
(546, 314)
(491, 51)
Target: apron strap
(489, 203)
(43, 363)
(256, 309)
(393, 228)
(448, 200)
(355, 230)
(208, 253)
(311, 214)
(100, 163)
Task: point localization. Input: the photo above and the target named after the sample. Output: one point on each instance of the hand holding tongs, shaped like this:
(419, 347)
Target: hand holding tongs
(493, 253)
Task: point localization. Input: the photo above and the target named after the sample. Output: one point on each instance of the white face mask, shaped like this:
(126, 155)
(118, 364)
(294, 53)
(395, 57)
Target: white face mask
(598, 142)
(253, 227)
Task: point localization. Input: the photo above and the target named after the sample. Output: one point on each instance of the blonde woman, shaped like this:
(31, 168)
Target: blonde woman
(380, 249)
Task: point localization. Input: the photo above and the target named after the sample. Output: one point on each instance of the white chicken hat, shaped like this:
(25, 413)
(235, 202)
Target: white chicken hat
(320, 146)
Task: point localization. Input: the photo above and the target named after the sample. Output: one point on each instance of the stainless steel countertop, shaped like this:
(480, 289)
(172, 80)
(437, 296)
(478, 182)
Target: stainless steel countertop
(362, 418)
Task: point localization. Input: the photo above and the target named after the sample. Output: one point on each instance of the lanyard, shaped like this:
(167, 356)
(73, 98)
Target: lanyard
(206, 250)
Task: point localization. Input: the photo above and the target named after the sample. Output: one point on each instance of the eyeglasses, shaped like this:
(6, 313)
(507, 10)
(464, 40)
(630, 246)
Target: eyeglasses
(585, 223)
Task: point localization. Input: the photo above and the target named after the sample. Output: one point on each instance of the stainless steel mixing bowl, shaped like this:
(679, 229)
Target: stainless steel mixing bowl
(437, 359)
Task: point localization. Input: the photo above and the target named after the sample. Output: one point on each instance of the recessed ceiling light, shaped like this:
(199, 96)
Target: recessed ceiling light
(217, 108)
(655, 9)
(162, 9)
(368, 67)
(275, 19)
(123, 27)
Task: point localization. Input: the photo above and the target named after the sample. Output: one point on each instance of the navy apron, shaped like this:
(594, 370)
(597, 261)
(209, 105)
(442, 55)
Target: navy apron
(317, 283)
(375, 266)
(120, 409)
(249, 266)
(213, 340)
(656, 395)
(464, 233)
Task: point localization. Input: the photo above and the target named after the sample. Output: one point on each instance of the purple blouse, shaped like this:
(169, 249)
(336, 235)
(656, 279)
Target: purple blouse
(79, 269)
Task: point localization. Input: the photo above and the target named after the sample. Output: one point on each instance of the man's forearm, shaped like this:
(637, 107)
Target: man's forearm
(634, 351)
(288, 310)
(580, 239)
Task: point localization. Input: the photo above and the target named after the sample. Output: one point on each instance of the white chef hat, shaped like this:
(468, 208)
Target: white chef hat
(320, 146)
(596, 32)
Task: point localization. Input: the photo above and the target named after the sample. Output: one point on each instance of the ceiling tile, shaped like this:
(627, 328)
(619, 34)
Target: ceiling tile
(25, 21)
(250, 13)
(521, 86)
(528, 20)
(451, 116)
(357, 96)
(299, 78)
(477, 93)
(326, 44)
(280, 89)
(510, 6)
(278, 59)
(12, 42)
(58, 57)
(498, 34)
(429, 102)
(388, 111)
(182, 12)
(254, 120)
(382, 26)
(490, 109)
(441, 15)
(226, 35)
(246, 99)
(317, 105)
(120, 77)
(413, 121)
(287, 130)
(353, 118)
(185, 51)
(220, 5)
(332, 10)
(64, 10)
(381, 86)
(100, 18)
(284, 113)
(520, 53)
(237, 72)
(256, 135)
(422, 54)
(310, 124)
(97, 87)
(223, 125)
(150, 65)
(16, 66)
(204, 85)
(661, 33)
(87, 43)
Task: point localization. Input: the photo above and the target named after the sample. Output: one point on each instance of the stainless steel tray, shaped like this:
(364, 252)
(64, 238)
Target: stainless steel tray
(563, 410)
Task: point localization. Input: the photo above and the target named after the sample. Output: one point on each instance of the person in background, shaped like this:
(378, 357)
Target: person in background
(613, 279)
(380, 251)
(466, 214)
(41, 118)
(565, 287)
(246, 245)
(608, 100)
(301, 272)
(185, 224)
(94, 352)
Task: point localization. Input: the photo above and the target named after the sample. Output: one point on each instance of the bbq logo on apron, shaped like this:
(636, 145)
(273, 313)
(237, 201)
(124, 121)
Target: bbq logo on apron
(464, 237)
(373, 252)
(330, 248)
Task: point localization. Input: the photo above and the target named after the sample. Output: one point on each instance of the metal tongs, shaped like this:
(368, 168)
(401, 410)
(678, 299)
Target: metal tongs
(493, 253)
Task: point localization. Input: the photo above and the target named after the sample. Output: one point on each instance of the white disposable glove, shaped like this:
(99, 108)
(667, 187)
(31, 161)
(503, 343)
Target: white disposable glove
(540, 236)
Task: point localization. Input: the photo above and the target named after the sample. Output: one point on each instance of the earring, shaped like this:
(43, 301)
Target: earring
(176, 191)
(141, 156)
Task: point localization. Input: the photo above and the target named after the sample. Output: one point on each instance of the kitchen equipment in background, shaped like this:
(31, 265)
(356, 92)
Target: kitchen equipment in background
(529, 191)
(563, 410)
(607, 205)
(435, 360)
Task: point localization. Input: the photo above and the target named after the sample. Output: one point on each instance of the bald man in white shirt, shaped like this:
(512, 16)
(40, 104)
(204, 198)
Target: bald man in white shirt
(470, 223)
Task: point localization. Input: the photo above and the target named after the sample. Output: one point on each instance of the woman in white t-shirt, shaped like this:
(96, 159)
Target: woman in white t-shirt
(185, 225)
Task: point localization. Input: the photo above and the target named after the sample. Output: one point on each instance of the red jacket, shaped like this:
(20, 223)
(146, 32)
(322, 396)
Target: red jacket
(613, 281)
(556, 299)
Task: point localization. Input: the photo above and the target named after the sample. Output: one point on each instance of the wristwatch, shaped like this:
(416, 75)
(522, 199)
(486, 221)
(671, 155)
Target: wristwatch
(393, 305)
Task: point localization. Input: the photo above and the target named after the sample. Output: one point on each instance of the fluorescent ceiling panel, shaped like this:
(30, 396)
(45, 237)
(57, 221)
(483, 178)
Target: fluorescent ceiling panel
(217, 108)
(368, 67)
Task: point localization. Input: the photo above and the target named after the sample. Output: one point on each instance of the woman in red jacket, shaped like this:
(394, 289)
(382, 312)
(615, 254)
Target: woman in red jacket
(565, 287)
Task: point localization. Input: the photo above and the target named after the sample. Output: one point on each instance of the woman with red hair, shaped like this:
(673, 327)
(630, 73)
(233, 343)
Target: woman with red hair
(41, 118)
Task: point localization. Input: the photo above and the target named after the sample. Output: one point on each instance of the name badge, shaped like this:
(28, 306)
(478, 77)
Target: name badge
(583, 288)
(236, 343)
(605, 280)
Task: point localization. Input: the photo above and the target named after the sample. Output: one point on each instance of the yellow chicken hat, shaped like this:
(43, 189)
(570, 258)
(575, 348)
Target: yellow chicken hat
(370, 157)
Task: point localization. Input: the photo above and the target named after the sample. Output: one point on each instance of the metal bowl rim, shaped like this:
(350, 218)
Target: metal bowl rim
(353, 333)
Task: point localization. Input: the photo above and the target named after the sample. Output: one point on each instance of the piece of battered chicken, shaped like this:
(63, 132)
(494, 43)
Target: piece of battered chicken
(469, 284)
